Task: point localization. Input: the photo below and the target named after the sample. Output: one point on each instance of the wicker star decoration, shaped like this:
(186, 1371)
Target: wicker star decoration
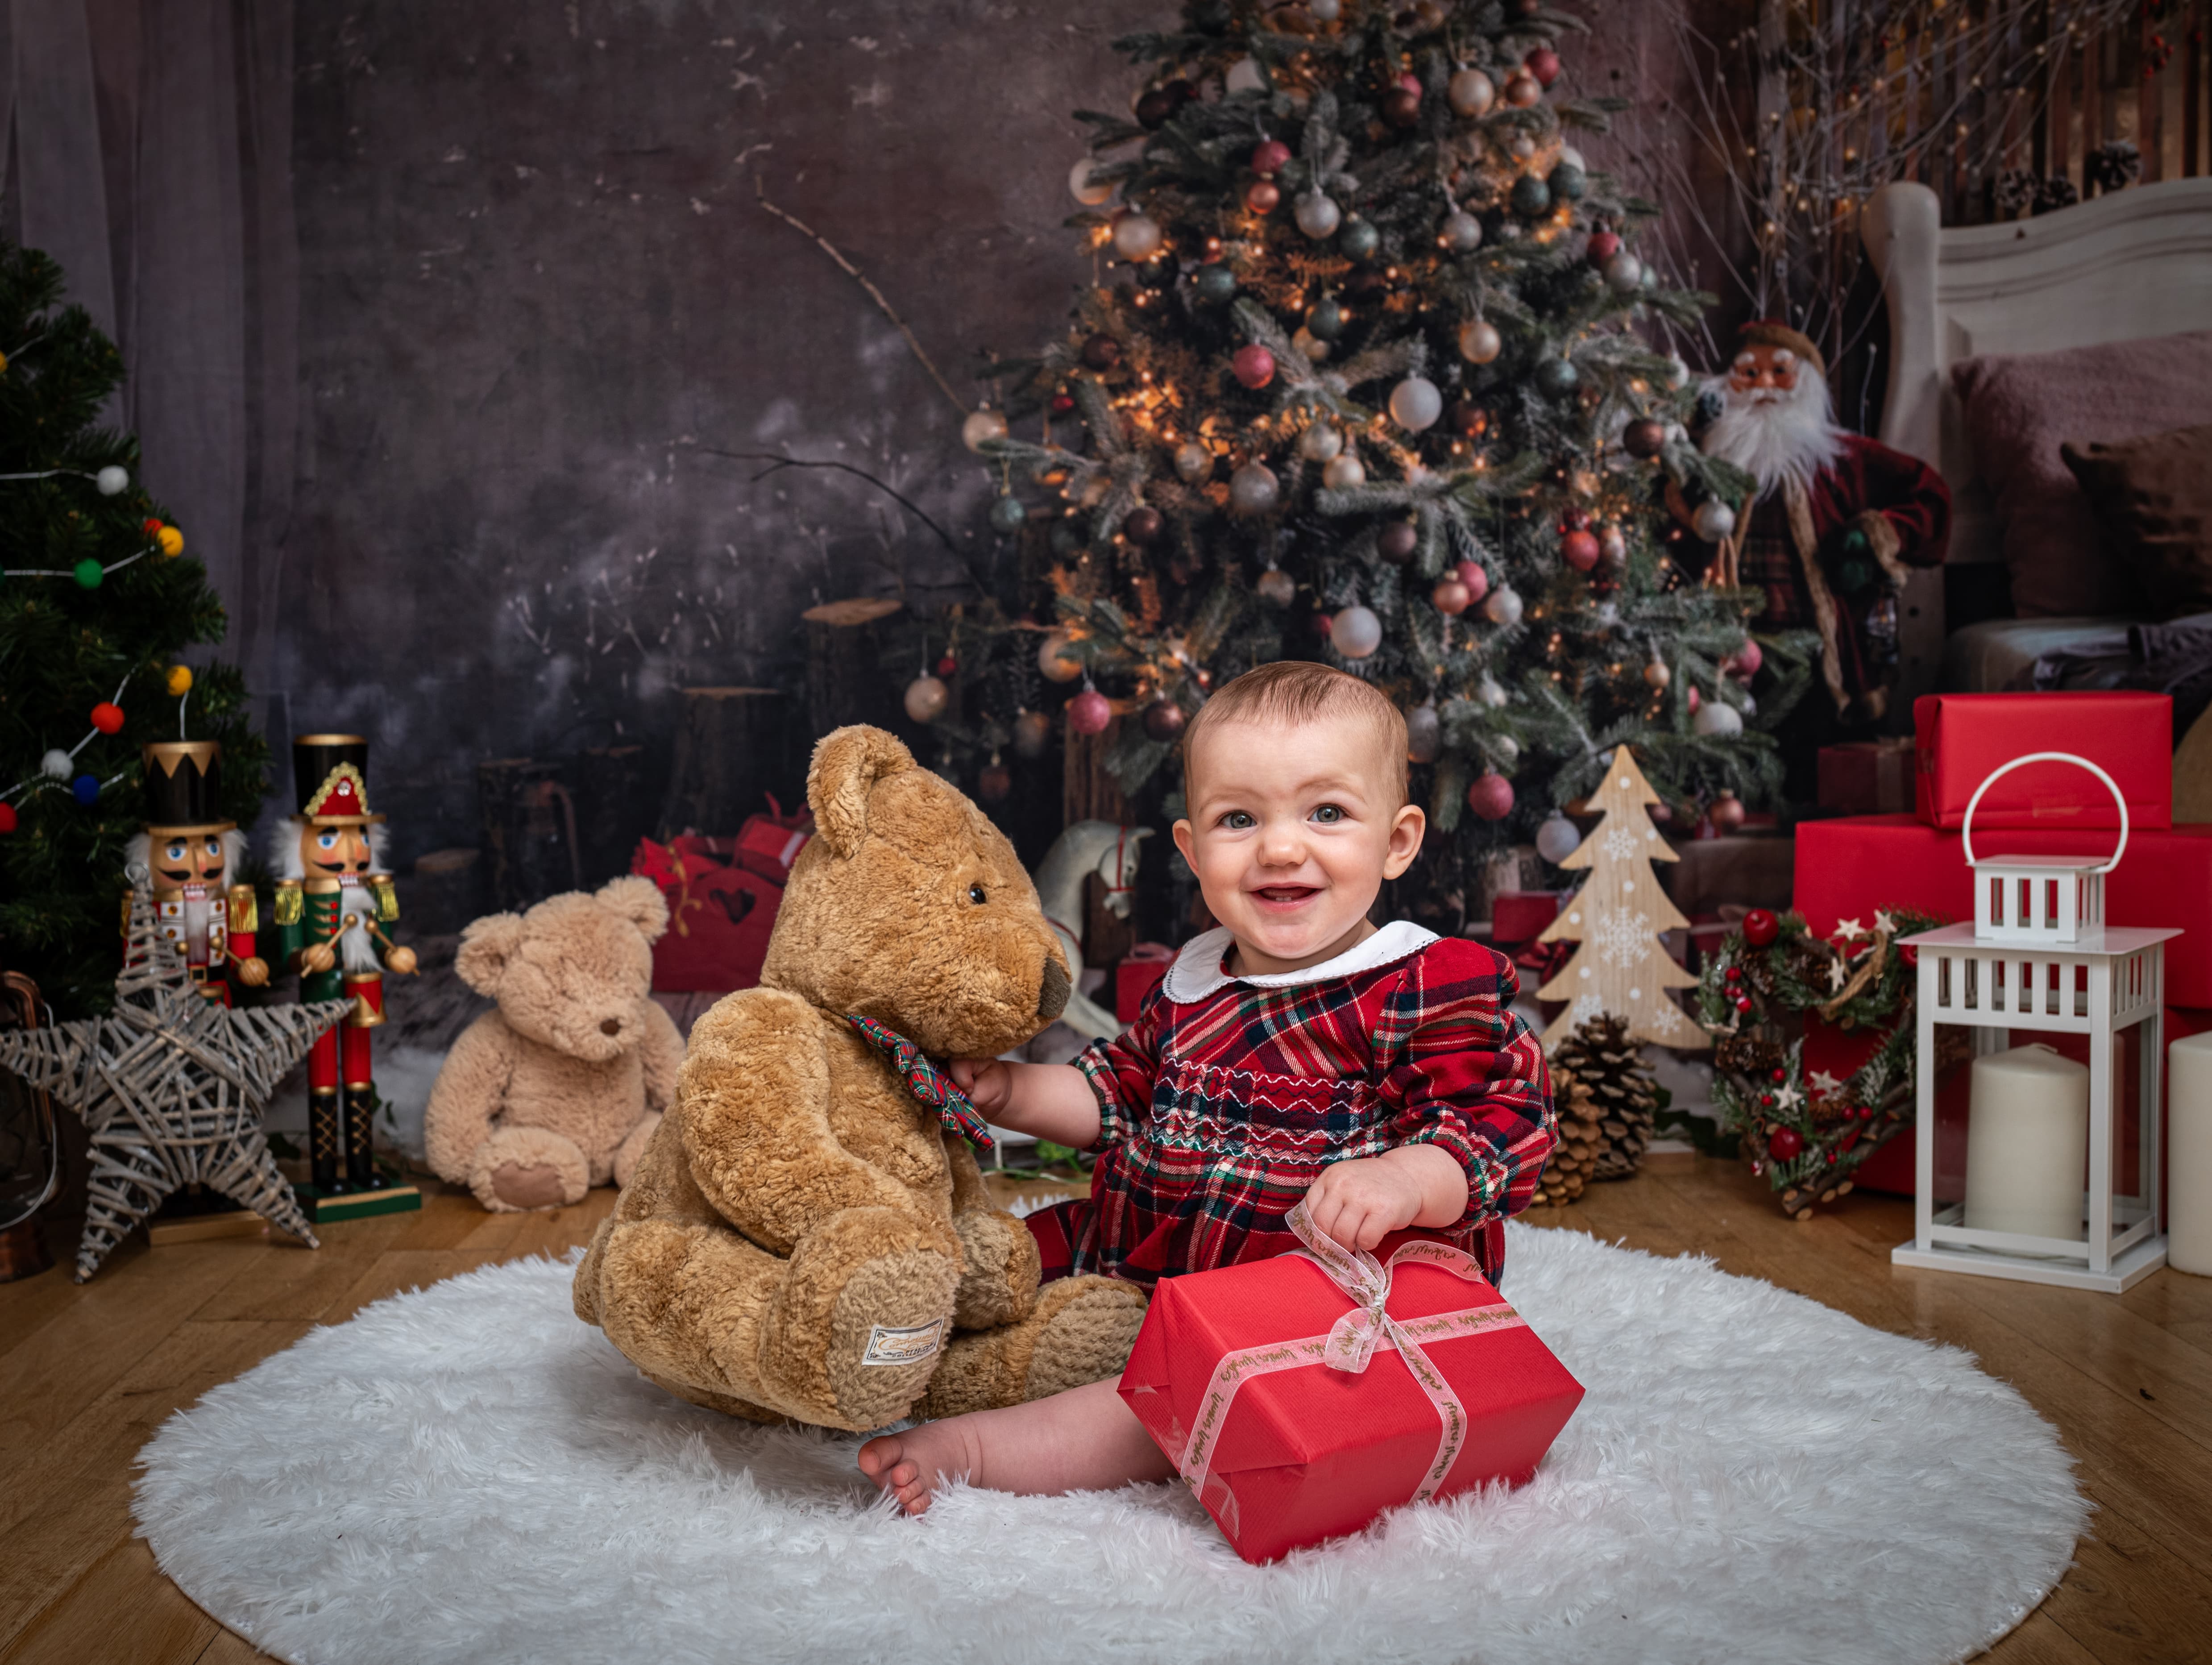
(171, 1086)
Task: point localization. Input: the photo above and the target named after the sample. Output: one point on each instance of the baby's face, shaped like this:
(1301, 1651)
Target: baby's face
(1291, 831)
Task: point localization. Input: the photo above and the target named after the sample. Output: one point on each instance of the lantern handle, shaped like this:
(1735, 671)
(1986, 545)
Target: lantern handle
(1967, 831)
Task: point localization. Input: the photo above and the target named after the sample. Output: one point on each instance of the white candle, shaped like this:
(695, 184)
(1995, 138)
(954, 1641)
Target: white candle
(2027, 1144)
(2189, 1155)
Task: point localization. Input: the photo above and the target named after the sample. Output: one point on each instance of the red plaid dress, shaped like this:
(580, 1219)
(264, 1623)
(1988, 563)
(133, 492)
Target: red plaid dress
(1217, 1111)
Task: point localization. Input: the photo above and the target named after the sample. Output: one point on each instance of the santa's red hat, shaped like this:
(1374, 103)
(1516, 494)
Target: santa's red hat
(1772, 332)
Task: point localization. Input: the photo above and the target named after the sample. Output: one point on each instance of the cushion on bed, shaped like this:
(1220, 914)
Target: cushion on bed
(2153, 500)
(2018, 408)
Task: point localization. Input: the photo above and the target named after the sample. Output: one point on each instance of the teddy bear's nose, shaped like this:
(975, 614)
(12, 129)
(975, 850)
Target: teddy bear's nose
(610, 1026)
(1052, 991)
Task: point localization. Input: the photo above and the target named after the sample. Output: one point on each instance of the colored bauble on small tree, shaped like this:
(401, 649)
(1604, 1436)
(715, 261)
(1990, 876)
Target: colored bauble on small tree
(1619, 966)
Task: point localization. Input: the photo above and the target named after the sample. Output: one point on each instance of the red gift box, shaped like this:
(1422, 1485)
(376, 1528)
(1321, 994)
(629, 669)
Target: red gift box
(1847, 868)
(1133, 978)
(1519, 916)
(1867, 777)
(1299, 1397)
(1960, 740)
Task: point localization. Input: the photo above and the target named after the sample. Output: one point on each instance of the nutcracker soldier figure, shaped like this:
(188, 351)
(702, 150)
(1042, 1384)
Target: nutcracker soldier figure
(189, 857)
(335, 909)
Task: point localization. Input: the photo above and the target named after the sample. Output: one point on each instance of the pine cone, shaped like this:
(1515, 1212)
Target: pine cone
(1580, 1139)
(1622, 1091)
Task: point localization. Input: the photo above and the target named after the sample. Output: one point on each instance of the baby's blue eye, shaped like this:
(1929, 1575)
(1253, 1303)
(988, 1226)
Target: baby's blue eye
(1328, 815)
(1238, 820)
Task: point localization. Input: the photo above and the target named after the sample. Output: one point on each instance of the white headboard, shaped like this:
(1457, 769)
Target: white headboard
(2135, 264)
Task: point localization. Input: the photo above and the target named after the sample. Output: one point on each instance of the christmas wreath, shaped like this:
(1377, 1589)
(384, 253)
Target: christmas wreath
(1809, 1136)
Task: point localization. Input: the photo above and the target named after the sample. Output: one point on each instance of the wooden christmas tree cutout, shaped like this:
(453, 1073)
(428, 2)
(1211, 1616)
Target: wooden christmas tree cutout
(1616, 918)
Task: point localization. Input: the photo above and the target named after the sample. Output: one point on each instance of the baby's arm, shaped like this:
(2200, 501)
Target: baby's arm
(1046, 1101)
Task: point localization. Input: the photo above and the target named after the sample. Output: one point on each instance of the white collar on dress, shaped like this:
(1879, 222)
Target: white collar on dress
(1197, 971)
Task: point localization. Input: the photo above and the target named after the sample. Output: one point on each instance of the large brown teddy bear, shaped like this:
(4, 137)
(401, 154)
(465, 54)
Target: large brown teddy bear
(806, 1238)
(560, 1087)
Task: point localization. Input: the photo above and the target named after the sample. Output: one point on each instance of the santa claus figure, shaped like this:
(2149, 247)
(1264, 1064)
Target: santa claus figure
(1833, 525)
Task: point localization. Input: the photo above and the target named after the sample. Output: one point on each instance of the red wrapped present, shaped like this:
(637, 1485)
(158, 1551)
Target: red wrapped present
(1299, 1397)
(1960, 740)
(1848, 867)
(720, 915)
(768, 844)
(1867, 777)
(1145, 965)
(1519, 916)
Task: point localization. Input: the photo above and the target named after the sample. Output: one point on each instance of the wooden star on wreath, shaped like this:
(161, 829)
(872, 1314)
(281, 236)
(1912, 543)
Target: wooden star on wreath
(171, 1085)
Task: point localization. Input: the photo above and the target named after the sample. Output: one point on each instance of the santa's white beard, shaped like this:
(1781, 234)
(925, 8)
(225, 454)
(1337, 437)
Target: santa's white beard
(1773, 435)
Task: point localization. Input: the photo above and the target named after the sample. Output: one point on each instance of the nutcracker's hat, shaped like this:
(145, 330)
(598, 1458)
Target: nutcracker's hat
(184, 783)
(330, 774)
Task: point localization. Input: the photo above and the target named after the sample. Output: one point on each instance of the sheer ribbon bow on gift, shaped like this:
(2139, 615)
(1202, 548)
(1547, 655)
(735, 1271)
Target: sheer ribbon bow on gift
(1352, 1343)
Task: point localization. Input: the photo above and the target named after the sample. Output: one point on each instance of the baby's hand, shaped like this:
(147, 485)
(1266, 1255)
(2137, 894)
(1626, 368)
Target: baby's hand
(1361, 1201)
(987, 1081)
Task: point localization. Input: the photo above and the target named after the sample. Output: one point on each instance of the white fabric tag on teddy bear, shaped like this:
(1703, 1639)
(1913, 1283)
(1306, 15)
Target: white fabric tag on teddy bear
(887, 1346)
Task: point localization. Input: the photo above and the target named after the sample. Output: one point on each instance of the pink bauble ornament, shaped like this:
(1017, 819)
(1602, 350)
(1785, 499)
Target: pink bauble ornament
(1694, 701)
(926, 699)
(1579, 550)
(1089, 713)
(1490, 795)
(1254, 366)
(1749, 659)
(1544, 65)
(1523, 89)
(1603, 246)
(1262, 196)
(1470, 573)
(1270, 157)
(1450, 597)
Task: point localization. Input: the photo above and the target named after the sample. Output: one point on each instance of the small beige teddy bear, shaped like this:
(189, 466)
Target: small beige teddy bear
(559, 1088)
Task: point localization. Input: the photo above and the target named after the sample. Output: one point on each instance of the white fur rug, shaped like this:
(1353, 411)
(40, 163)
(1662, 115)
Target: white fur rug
(469, 1473)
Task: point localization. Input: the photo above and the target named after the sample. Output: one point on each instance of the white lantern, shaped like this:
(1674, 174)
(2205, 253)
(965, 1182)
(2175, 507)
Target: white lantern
(2039, 958)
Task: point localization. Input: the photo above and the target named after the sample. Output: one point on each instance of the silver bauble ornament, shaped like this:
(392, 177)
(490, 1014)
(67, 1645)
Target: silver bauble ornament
(1505, 749)
(1717, 720)
(1677, 372)
(1492, 693)
(1415, 404)
(1086, 190)
(1712, 521)
(1558, 839)
(1319, 442)
(927, 698)
(1471, 93)
(1137, 237)
(1315, 350)
(1193, 463)
(1460, 232)
(1056, 658)
(1502, 605)
(1624, 273)
(1344, 471)
(111, 480)
(1253, 489)
(1424, 733)
(1573, 158)
(1478, 340)
(1277, 586)
(1245, 77)
(1355, 632)
(1522, 147)
(1323, 11)
(1318, 215)
(982, 427)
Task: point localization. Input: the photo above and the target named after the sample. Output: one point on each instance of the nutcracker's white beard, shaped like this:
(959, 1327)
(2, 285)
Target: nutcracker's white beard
(357, 949)
(1775, 435)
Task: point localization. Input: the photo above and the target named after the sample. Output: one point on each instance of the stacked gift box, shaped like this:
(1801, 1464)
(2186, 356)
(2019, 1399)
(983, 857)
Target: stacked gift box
(1851, 867)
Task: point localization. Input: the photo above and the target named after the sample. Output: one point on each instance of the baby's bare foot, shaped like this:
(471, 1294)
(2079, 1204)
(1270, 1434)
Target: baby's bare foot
(910, 1464)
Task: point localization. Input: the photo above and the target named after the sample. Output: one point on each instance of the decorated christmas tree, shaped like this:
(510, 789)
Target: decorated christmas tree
(1368, 374)
(97, 602)
(1618, 966)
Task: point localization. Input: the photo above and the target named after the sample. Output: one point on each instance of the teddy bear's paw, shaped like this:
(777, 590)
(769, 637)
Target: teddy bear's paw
(520, 1168)
(999, 1281)
(1080, 1331)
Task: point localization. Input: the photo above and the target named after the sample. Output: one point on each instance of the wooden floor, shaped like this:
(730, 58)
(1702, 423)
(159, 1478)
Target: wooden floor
(88, 1373)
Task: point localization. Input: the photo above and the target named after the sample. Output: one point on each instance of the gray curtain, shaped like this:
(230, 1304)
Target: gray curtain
(147, 146)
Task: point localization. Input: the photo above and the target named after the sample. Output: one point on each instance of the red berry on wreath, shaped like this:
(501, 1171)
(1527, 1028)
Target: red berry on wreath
(108, 718)
(947, 665)
(1781, 1075)
(1766, 1100)
(1743, 1002)
(1866, 1112)
(1736, 973)
(1784, 1144)
(1760, 927)
(7, 818)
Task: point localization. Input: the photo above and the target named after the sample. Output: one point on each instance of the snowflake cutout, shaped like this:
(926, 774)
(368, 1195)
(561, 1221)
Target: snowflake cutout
(1586, 1007)
(1622, 938)
(1618, 843)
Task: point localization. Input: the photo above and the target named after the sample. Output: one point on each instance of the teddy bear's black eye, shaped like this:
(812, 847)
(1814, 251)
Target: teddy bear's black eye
(975, 893)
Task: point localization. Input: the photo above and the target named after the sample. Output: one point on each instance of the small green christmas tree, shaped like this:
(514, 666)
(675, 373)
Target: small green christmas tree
(96, 604)
(1360, 380)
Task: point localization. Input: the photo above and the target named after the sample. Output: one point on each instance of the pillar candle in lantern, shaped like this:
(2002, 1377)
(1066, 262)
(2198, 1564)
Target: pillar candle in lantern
(2027, 1144)
(2189, 1155)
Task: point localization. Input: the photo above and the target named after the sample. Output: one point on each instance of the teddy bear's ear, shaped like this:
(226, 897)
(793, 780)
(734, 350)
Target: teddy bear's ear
(847, 763)
(638, 900)
(487, 946)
